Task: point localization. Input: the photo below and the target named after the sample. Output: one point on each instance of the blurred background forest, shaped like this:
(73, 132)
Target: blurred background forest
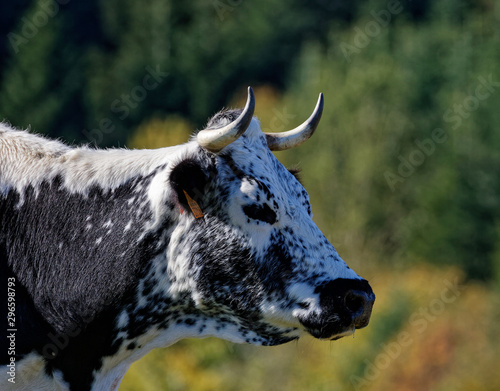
(403, 172)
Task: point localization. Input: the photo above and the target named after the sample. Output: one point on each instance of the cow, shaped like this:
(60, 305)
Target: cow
(109, 254)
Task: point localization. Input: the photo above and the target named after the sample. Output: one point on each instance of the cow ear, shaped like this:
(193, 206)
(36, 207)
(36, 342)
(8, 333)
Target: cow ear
(189, 181)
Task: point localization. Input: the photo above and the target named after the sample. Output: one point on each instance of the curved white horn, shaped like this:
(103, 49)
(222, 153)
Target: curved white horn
(294, 137)
(215, 139)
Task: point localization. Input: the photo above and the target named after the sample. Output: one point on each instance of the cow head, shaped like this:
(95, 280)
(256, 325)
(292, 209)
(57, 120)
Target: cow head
(245, 254)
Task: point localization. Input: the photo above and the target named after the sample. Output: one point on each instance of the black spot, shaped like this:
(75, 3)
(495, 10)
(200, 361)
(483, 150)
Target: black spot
(260, 212)
(148, 286)
(190, 321)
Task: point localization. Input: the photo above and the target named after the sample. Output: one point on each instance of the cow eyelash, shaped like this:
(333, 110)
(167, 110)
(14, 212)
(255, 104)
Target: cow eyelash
(260, 212)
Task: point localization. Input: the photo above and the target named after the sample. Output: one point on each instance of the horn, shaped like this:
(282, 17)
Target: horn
(294, 137)
(214, 140)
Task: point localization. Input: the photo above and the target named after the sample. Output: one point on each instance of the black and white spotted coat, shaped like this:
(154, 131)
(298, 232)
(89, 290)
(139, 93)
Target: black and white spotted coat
(110, 262)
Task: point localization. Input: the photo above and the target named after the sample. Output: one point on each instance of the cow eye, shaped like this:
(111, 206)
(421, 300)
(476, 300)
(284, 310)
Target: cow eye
(260, 212)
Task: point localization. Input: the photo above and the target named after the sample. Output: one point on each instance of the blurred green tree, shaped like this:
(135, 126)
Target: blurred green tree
(97, 56)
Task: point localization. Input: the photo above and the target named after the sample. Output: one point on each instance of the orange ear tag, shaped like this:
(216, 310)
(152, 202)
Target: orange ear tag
(195, 208)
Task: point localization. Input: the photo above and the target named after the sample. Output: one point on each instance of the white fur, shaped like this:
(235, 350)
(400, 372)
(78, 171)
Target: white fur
(27, 159)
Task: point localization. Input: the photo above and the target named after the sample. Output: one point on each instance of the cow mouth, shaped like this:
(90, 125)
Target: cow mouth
(330, 333)
(344, 334)
(346, 305)
(333, 328)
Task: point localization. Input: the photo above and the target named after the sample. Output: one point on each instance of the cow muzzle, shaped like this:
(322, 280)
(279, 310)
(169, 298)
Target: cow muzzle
(345, 305)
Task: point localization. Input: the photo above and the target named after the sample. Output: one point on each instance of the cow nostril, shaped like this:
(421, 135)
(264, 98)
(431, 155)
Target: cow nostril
(355, 301)
(360, 304)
